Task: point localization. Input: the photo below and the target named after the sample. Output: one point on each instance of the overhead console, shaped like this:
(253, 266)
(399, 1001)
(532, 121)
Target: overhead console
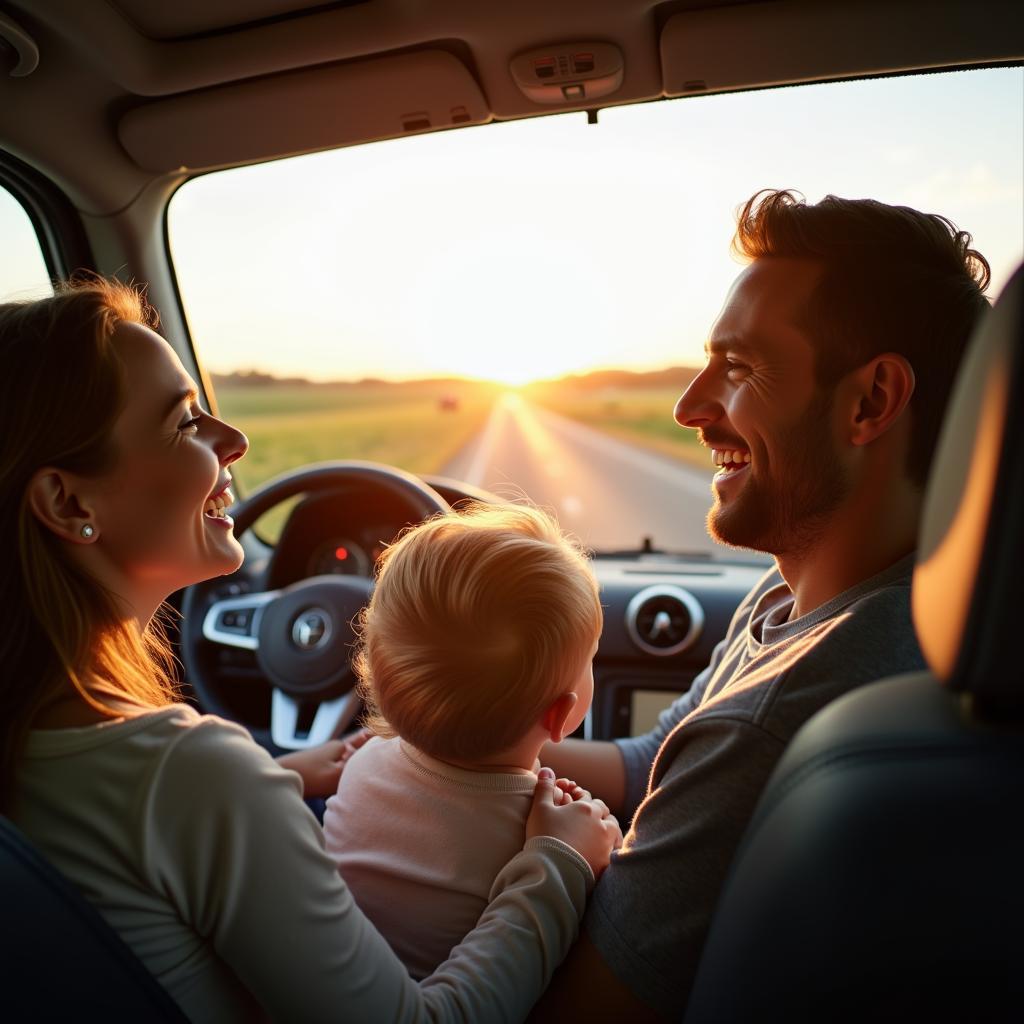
(570, 73)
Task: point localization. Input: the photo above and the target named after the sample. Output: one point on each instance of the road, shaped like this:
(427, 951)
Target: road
(609, 493)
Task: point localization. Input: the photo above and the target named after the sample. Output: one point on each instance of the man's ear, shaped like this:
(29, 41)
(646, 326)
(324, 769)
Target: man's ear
(883, 388)
(557, 714)
(54, 498)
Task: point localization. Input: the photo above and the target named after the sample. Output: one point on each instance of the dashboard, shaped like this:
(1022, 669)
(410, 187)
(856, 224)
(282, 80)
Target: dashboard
(663, 612)
(335, 534)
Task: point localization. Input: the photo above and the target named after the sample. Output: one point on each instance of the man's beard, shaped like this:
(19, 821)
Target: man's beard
(785, 514)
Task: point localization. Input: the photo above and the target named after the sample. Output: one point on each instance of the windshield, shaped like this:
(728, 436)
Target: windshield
(519, 305)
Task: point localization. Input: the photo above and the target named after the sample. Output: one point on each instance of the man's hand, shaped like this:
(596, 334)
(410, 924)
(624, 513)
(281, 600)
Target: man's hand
(585, 824)
(321, 767)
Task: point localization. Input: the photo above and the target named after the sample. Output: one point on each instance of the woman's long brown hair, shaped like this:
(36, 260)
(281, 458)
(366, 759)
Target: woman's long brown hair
(63, 390)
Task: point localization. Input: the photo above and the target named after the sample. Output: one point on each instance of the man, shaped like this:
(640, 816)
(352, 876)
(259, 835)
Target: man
(826, 378)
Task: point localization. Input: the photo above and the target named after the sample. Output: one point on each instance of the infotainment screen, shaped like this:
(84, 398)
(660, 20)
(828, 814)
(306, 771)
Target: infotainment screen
(645, 706)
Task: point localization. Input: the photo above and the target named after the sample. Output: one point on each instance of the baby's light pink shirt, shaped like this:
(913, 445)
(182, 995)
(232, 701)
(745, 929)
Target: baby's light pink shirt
(419, 842)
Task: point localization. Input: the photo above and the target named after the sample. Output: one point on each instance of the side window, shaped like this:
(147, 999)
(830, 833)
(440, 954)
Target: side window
(23, 273)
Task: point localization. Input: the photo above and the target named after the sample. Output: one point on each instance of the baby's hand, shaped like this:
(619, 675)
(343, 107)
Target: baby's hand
(584, 823)
(566, 791)
(352, 742)
(321, 767)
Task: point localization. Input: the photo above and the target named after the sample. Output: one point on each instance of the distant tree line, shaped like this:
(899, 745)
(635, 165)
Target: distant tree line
(599, 380)
(253, 379)
(674, 376)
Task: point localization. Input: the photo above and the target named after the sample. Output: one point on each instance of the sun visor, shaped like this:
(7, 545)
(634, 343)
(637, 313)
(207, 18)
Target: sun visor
(724, 48)
(302, 111)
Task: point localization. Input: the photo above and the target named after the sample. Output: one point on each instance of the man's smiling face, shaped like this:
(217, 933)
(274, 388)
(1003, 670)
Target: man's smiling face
(757, 405)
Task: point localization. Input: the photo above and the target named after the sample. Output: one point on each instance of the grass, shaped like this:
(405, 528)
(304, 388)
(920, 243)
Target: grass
(290, 426)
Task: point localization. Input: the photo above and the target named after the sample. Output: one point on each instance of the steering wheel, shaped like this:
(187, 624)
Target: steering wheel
(301, 635)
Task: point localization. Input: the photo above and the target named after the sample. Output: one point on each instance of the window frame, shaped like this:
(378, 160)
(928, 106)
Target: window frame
(55, 221)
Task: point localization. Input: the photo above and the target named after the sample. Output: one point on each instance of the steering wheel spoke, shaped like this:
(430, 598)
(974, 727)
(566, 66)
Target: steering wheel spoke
(235, 621)
(330, 719)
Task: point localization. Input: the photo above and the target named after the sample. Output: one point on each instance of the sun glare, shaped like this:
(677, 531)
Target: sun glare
(517, 365)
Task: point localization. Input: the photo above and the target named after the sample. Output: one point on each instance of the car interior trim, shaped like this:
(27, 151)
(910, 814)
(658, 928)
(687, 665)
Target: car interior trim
(304, 110)
(662, 590)
(795, 41)
(248, 638)
(328, 721)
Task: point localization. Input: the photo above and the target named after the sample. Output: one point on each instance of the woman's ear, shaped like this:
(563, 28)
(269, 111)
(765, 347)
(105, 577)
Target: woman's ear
(54, 500)
(883, 389)
(557, 714)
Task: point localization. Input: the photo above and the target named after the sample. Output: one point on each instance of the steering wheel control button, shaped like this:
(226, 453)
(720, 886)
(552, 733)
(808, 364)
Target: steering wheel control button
(664, 620)
(234, 622)
(306, 638)
(237, 619)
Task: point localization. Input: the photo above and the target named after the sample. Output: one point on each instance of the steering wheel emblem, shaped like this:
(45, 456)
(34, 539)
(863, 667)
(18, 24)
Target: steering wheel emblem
(311, 629)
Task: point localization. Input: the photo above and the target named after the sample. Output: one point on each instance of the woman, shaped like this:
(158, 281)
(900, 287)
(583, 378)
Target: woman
(185, 834)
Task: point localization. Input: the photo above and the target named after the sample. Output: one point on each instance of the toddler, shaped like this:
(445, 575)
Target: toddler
(476, 649)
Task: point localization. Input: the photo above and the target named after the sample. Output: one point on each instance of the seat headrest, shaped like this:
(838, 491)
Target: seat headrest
(967, 586)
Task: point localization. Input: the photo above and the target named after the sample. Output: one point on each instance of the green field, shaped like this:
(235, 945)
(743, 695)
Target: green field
(290, 425)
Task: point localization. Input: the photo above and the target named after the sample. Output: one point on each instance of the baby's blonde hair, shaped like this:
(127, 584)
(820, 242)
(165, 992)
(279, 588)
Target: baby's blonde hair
(479, 620)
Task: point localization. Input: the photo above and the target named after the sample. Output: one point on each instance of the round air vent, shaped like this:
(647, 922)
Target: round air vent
(664, 620)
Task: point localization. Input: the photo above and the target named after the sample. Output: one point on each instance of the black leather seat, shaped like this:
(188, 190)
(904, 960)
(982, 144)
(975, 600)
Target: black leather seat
(59, 960)
(882, 877)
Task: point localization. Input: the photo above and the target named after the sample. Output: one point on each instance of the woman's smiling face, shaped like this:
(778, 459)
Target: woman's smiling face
(157, 528)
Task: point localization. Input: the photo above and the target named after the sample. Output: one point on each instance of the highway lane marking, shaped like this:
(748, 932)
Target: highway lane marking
(534, 422)
(679, 476)
(484, 451)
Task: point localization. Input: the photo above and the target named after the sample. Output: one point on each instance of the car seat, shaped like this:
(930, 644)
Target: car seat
(59, 959)
(881, 875)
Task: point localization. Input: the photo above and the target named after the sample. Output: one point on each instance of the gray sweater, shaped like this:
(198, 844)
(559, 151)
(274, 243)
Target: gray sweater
(196, 847)
(697, 777)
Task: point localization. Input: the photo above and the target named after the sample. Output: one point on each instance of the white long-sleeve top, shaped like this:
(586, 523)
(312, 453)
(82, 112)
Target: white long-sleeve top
(197, 847)
(420, 842)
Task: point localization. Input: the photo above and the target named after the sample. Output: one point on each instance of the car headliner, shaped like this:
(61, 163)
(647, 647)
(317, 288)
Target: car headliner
(96, 114)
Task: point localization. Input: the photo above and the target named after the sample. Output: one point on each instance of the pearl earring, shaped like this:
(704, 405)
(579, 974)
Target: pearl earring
(87, 531)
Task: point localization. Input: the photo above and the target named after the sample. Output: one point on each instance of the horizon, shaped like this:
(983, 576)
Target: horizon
(262, 378)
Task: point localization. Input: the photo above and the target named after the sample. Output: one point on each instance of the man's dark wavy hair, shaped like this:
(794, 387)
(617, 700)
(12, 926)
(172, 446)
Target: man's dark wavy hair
(895, 280)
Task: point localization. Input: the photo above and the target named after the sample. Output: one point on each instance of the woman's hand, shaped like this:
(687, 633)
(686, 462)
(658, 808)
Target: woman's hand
(321, 767)
(584, 823)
